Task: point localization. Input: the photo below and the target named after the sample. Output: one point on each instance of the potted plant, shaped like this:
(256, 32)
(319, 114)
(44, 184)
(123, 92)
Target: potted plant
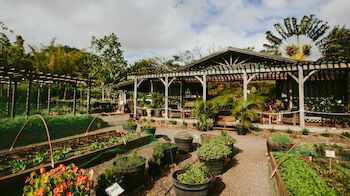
(194, 179)
(107, 178)
(130, 126)
(163, 154)
(148, 129)
(132, 167)
(212, 153)
(62, 180)
(226, 139)
(149, 110)
(183, 141)
(157, 103)
(205, 115)
(245, 112)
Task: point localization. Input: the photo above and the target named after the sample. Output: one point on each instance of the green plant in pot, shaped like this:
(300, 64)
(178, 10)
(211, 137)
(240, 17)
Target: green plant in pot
(130, 126)
(183, 141)
(149, 129)
(205, 115)
(246, 112)
(157, 103)
(192, 180)
(132, 167)
(162, 154)
(212, 153)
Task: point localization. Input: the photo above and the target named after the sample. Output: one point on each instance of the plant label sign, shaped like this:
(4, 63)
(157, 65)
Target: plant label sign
(114, 190)
(330, 153)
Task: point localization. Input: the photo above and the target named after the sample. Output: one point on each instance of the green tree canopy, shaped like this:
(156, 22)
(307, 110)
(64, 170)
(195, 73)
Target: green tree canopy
(336, 47)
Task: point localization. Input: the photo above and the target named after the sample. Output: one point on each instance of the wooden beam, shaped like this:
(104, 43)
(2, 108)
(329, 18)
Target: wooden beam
(135, 97)
(14, 96)
(9, 98)
(48, 98)
(74, 99)
(29, 91)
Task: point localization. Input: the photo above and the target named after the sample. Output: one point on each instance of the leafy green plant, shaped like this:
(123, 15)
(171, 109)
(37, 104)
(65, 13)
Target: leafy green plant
(18, 165)
(300, 179)
(127, 161)
(185, 124)
(246, 110)
(96, 146)
(158, 151)
(173, 122)
(289, 131)
(346, 134)
(225, 138)
(305, 131)
(205, 114)
(324, 104)
(61, 154)
(108, 177)
(194, 174)
(281, 138)
(213, 150)
(39, 158)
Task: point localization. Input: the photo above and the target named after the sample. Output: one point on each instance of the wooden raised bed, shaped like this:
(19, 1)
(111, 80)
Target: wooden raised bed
(282, 189)
(13, 183)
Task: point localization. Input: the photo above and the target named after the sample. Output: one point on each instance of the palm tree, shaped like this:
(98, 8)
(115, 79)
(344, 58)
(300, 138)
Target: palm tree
(298, 41)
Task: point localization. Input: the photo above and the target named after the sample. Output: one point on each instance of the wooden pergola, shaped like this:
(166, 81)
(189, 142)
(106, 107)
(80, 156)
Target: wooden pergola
(12, 76)
(235, 64)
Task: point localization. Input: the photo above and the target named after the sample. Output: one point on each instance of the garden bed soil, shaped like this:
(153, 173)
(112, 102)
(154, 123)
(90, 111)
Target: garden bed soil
(11, 182)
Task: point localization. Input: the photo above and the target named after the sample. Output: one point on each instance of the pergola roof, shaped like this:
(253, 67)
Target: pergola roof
(46, 78)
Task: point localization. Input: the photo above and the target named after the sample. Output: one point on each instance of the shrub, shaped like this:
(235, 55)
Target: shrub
(108, 177)
(158, 151)
(300, 179)
(127, 161)
(194, 174)
(185, 124)
(281, 138)
(205, 114)
(148, 127)
(173, 122)
(183, 135)
(213, 150)
(305, 131)
(131, 123)
(62, 180)
(289, 131)
(225, 138)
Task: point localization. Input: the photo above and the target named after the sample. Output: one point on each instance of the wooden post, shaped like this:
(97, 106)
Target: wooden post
(14, 95)
(135, 97)
(301, 97)
(9, 98)
(29, 89)
(48, 98)
(166, 96)
(290, 94)
(181, 97)
(89, 99)
(38, 100)
(204, 85)
(246, 81)
(152, 87)
(81, 98)
(74, 99)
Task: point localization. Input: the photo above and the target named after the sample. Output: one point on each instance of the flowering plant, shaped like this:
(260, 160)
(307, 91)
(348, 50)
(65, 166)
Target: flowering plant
(62, 180)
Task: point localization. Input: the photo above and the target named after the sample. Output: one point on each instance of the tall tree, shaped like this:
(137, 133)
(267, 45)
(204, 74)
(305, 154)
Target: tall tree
(107, 63)
(336, 46)
(299, 41)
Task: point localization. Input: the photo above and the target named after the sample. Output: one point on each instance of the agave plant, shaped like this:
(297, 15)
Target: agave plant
(301, 41)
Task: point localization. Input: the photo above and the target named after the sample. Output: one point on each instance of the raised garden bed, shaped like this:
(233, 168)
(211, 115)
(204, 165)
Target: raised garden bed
(20, 162)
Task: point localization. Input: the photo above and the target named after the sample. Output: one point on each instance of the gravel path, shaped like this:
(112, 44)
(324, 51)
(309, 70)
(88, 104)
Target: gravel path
(249, 174)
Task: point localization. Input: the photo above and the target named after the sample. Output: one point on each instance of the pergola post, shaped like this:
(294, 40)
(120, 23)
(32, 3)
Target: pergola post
(166, 96)
(74, 99)
(38, 99)
(290, 95)
(204, 85)
(89, 98)
(301, 98)
(14, 95)
(135, 97)
(301, 80)
(29, 89)
(9, 98)
(152, 87)
(48, 98)
(246, 81)
(181, 93)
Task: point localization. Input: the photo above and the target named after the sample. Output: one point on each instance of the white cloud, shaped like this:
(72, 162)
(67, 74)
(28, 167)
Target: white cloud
(160, 27)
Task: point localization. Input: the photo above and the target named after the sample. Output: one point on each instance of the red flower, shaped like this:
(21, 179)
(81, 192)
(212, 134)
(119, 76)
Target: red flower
(89, 183)
(87, 188)
(64, 186)
(42, 170)
(69, 194)
(56, 190)
(70, 182)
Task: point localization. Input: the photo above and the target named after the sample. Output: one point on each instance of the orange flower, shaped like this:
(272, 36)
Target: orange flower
(89, 183)
(56, 190)
(40, 192)
(87, 188)
(70, 182)
(42, 170)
